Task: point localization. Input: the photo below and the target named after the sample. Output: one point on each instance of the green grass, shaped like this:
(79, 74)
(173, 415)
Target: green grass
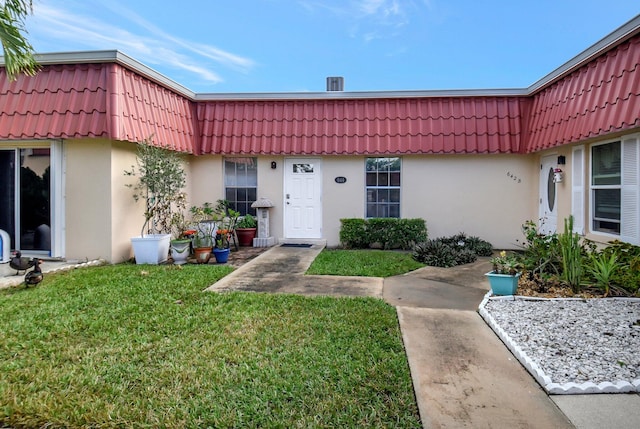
(131, 346)
(368, 263)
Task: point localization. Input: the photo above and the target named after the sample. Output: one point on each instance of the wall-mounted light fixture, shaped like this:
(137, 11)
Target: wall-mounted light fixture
(273, 165)
(562, 160)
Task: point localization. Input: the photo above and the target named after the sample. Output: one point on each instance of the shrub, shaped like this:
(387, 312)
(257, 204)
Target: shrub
(435, 253)
(602, 268)
(383, 231)
(466, 256)
(353, 233)
(476, 245)
(451, 251)
(541, 251)
(388, 233)
(627, 255)
(571, 253)
(570, 258)
(412, 231)
(479, 247)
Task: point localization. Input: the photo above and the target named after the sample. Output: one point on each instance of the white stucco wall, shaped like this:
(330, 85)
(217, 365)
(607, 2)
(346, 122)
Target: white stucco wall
(87, 199)
(342, 200)
(485, 195)
(488, 196)
(127, 215)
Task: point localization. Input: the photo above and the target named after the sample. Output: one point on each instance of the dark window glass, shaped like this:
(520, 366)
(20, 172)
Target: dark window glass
(241, 182)
(606, 185)
(382, 187)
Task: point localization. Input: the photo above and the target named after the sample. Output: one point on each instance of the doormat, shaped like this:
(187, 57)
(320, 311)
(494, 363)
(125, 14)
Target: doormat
(303, 245)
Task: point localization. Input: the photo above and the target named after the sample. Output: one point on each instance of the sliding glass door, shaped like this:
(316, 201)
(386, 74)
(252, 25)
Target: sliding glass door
(25, 198)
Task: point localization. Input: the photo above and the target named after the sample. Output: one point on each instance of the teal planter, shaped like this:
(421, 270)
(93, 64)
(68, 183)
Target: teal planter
(221, 255)
(503, 284)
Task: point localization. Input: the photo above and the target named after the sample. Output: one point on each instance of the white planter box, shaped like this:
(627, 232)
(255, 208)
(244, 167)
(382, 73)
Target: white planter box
(151, 249)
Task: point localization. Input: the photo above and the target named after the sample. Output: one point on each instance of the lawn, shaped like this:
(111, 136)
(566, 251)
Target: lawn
(143, 346)
(371, 263)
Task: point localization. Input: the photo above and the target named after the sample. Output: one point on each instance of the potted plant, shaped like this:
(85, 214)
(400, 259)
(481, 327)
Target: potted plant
(160, 179)
(505, 274)
(221, 250)
(227, 219)
(246, 230)
(203, 236)
(181, 242)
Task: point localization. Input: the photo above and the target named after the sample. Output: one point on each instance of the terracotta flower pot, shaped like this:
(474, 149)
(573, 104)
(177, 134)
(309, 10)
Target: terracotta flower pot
(246, 236)
(202, 254)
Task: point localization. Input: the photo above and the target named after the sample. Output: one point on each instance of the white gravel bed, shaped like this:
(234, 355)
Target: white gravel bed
(572, 345)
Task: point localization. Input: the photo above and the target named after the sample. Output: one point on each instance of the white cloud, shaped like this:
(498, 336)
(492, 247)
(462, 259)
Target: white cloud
(366, 19)
(146, 42)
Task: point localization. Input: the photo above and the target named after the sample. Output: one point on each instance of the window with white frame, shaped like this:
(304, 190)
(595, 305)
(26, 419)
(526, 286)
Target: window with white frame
(241, 183)
(606, 184)
(615, 188)
(383, 187)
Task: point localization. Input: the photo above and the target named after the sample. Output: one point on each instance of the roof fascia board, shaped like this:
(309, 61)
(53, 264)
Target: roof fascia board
(331, 95)
(626, 31)
(113, 56)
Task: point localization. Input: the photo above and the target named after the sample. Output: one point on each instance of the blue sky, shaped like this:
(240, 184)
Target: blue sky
(293, 45)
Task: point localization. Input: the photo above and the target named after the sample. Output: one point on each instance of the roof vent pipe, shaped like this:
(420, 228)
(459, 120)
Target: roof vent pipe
(335, 83)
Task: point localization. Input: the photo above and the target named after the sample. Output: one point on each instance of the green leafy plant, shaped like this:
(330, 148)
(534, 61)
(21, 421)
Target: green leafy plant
(160, 180)
(451, 251)
(203, 217)
(466, 256)
(571, 253)
(435, 253)
(627, 278)
(478, 246)
(387, 233)
(247, 221)
(215, 224)
(541, 253)
(353, 233)
(506, 263)
(603, 267)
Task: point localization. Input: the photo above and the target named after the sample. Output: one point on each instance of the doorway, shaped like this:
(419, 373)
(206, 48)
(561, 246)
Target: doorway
(25, 198)
(548, 213)
(303, 198)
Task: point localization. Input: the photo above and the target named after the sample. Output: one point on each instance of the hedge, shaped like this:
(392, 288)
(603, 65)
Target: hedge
(387, 233)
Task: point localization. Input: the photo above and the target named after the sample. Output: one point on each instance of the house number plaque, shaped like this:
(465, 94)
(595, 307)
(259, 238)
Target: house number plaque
(341, 179)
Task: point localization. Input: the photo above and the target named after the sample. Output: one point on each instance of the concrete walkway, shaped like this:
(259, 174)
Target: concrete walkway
(10, 278)
(463, 375)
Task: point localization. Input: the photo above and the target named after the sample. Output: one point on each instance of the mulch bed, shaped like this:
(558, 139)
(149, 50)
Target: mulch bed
(535, 287)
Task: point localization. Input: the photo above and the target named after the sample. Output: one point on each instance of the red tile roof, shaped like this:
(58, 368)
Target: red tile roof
(65, 101)
(144, 108)
(119, 99)
(362, 126)
(600, 98)
(94, 100)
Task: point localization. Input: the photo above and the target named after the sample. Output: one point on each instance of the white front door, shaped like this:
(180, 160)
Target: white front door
(303, 198)
(548, 196)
